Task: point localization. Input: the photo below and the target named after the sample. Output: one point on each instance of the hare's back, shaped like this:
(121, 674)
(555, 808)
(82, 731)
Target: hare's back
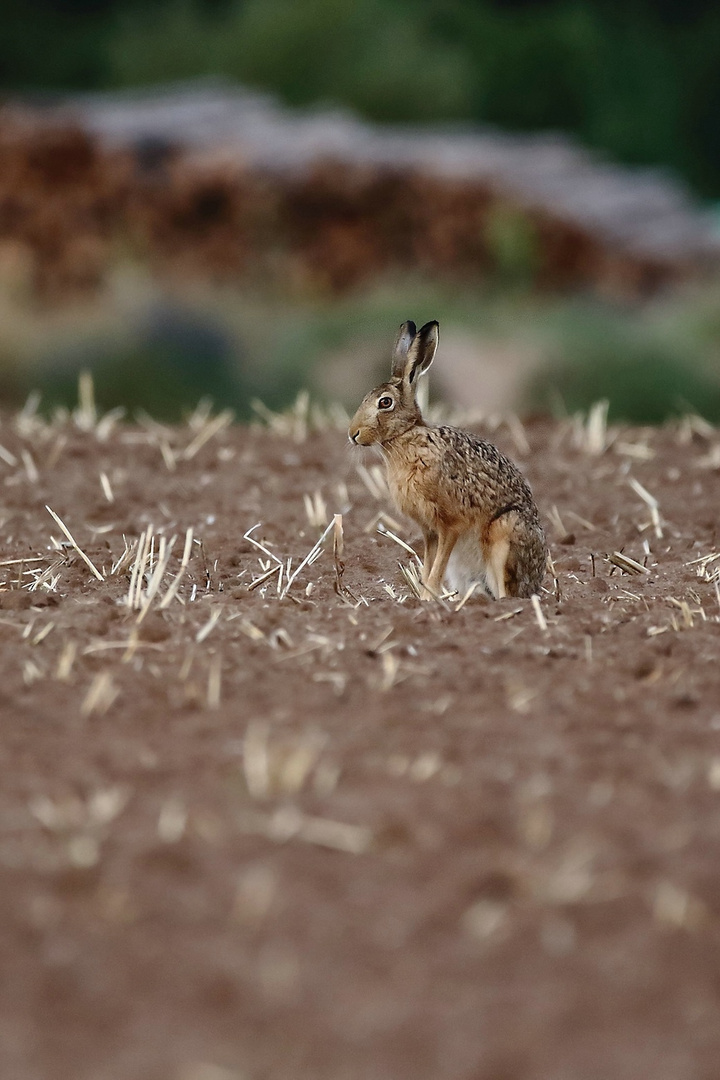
(480, 475)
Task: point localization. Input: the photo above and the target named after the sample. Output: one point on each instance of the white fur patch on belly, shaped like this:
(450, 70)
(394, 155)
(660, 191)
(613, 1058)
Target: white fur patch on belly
(466, 566)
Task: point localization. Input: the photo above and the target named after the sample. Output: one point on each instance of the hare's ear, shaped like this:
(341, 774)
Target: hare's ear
(421, 352)
(403, 341)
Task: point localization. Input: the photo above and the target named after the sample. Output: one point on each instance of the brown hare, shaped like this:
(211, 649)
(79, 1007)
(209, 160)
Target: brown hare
(478, 517)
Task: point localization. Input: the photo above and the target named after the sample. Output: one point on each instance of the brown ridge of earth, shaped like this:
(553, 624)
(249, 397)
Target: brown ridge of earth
(636, 209)
(224, 181)
(341, 833)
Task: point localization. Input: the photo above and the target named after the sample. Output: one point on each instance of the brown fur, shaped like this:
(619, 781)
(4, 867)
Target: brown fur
(477, 514)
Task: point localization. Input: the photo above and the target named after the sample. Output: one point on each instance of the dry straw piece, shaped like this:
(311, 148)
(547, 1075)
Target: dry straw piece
(312, 556)
(47, 579)
(205, 631)
(106, 488)
(100, 696)
(30, 467)
(593, 434)
(541, 621)
(375, 481)
(138, 567)
(624, 562)
(316, 510)
(302, 417)
(288, 823)
(61, 525)
(164, 553)
(341, 588)
(207, 432)
(214, 684)
(175, 583)
(66, 661)
(85, 415)
(704, 567)
(651, 502)
(384, 531)
(273, 566)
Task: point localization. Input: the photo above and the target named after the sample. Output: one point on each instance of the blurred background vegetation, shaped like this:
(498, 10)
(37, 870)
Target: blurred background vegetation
(639, 79)
(636, 79)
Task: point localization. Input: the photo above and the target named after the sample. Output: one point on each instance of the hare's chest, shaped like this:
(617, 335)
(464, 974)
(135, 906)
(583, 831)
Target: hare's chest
(414, 488)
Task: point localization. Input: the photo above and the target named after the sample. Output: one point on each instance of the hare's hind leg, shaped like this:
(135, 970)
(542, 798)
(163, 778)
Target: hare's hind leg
(496, 567)
(516, 555)
(497, 550)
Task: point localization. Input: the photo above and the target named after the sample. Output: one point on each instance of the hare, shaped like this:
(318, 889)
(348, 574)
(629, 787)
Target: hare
(477, 514)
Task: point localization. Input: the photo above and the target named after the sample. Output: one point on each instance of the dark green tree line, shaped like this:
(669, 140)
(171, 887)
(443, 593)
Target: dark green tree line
(638, 79)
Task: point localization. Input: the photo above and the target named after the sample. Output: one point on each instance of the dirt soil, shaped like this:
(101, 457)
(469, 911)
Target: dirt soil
(338, 836)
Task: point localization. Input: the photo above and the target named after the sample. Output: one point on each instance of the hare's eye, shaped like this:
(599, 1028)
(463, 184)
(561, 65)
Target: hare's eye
(385, 402)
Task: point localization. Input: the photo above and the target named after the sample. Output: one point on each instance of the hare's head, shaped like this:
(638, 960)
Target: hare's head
(392, 408)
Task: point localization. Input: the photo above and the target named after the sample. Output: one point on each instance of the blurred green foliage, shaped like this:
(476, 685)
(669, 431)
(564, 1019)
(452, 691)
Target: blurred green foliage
(512, 244)
(48, 44)
(645, 387)
(165, 364)
(642, 363)
(165, 354)
(640, 80)
(370, 54)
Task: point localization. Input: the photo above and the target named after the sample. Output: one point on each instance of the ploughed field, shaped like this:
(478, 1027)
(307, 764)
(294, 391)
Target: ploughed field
(261, 819)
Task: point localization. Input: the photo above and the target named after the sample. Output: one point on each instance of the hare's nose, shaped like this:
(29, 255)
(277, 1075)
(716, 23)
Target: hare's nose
(353, 435)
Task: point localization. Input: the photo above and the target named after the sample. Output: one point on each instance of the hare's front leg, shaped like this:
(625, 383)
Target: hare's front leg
(429, 552)
(445, 543)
